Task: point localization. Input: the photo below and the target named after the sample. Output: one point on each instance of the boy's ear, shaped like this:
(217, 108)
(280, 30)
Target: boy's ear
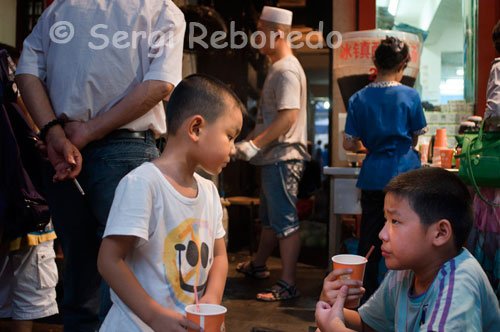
(442, 232)
(195, 125)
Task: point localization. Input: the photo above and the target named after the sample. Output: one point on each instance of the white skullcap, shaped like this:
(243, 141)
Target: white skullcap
(276, 15)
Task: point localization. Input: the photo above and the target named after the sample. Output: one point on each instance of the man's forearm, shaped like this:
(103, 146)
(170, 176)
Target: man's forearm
(136, 103)
(283, 122)
(35, 99)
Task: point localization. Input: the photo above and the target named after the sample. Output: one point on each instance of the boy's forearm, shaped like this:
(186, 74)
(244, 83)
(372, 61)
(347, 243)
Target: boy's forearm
(124, 283)
(218, 273)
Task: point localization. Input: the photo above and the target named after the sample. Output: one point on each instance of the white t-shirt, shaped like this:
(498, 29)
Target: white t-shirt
(90, 54)
(285, 88)
(175, 240)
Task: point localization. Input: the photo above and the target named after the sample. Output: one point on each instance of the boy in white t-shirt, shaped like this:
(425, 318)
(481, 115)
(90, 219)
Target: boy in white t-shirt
(164, 234)
(433, 283)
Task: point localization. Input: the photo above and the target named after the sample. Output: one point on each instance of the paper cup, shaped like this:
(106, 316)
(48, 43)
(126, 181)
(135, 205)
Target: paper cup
(424, 152)
(440, 138)
(446, 157)
(210, 317)
(357, 264)
(436, 157)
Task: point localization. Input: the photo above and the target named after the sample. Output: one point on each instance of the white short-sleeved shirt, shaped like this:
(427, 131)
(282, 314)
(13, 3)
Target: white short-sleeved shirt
(460, 299)
(492, 111)
(115, 46)
(285, 88)
(175, 240)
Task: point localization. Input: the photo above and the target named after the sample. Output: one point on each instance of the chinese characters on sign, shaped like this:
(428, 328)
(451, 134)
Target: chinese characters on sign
(366, 50)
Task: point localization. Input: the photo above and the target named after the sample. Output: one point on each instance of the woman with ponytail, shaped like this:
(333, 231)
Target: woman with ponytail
(386, 118)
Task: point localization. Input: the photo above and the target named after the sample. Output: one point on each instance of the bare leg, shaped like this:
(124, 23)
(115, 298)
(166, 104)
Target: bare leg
(22, 326)
(267, 243)
(289, 252)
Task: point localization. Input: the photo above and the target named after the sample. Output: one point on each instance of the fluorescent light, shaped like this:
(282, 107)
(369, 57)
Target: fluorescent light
(326, 105)
(460, 72)
(393, 7)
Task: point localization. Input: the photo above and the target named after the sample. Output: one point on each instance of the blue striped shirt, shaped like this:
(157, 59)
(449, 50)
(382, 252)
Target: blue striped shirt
(459, 299)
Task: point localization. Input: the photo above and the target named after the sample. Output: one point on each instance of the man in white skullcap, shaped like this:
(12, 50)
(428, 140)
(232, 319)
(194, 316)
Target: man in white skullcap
(278, 144)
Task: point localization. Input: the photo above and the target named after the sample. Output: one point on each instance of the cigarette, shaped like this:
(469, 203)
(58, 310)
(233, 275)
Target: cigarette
(78, 186)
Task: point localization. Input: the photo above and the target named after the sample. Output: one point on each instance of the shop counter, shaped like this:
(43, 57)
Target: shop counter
(344, 199)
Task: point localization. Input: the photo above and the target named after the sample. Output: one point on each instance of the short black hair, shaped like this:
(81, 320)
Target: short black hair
(199, 94)
(435, 194)
(391, 54)
(496, 36)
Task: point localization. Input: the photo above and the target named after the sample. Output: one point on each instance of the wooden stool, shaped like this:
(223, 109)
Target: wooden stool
(250, 202)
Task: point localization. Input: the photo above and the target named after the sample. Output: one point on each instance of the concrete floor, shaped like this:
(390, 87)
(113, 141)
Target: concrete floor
(245, 313)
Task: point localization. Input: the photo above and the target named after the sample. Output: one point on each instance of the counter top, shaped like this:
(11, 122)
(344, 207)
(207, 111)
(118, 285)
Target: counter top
(346, 171)
(354, 171)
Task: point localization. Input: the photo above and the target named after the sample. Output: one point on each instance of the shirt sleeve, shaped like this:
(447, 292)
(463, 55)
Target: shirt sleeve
(219, 231)
(418, 124)
(131, 210)
(460, 306)
(167, 48)
(379, 311)
(493, 93)
(33, 58)
(288, 91)
(351, 127)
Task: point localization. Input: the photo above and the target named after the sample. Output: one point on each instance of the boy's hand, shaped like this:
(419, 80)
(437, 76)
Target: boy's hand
(329, 318)
(331, 286)
(171, 321)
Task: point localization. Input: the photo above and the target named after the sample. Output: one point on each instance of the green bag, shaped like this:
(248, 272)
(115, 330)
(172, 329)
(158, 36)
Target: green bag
(480, 159)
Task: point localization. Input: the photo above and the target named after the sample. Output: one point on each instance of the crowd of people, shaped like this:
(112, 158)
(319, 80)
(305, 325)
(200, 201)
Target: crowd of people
(141, 231)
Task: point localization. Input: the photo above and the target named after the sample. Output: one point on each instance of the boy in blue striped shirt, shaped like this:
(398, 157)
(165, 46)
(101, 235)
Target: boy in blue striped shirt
(434, 284)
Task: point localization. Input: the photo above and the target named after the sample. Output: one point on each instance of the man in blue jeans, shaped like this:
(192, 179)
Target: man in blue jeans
(93, 77)
(278, 145)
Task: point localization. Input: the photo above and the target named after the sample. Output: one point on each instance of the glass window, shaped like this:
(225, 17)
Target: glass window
(446, 28)
(447, 77)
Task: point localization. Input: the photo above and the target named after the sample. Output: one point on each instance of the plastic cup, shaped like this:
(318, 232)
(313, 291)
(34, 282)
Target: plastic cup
(424, 152)
(436, 156)
(210, 317)
(440, 139)
(357, 264)
(446, 157)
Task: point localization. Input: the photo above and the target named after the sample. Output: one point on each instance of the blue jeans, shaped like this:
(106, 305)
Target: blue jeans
(278, 197)
(79, 222)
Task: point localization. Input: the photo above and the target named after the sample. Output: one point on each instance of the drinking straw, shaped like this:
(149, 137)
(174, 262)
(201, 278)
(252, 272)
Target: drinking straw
(369, 252)
(196, 299)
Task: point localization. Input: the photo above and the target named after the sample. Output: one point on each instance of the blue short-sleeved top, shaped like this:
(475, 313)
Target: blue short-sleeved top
(385, 116)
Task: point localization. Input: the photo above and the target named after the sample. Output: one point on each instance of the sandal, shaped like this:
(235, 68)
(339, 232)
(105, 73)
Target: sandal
(277, 294)
(257, 272)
